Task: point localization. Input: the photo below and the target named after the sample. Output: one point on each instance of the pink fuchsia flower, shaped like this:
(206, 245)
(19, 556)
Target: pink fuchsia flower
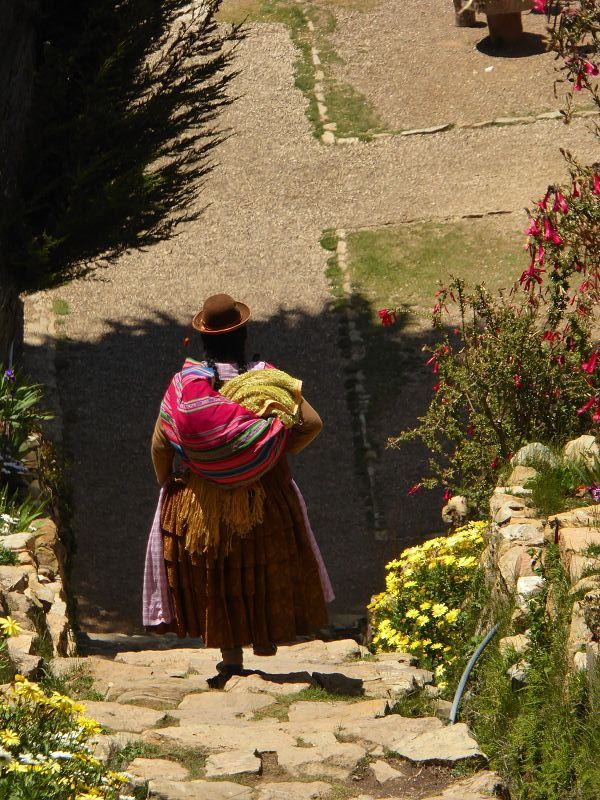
(590, 68)
(437, 386)
(532, 275)
(447, 495)
(596, 183)
(575, 191)
(541, 253)
(544, 201)
(592, 401)
(540, 6)
(578, 82)
(416, 488)
(590, 365)
(494, 463)
(387, 317)
(517, 380)
(533, 229)
(550, 233)
(560, 204)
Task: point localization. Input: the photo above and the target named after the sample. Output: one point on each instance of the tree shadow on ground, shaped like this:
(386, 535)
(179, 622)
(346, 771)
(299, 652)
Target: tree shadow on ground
(111, 389)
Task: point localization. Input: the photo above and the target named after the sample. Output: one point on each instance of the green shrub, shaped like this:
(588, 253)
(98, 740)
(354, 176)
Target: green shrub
(502, 380)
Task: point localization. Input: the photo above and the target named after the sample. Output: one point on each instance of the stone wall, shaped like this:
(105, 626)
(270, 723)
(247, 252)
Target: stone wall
(518, 543)
(34, 592)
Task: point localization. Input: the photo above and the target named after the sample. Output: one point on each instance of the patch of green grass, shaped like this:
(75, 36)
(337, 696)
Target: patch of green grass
(552, 490)
(60, 307)
(416, 704)
(192, 758)
(329, 239)
(315, 694)
(402, 265)
(78, 683)
(7, 557)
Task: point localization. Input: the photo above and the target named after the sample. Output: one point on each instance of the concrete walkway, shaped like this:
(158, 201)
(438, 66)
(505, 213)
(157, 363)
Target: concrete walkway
(274, 192)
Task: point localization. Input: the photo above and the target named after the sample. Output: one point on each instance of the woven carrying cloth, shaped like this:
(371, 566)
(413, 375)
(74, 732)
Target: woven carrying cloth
(226, 446)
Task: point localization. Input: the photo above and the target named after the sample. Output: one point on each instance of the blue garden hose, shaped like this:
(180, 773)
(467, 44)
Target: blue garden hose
(467, 672)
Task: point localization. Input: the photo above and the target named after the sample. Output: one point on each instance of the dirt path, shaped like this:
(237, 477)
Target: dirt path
(276, 189)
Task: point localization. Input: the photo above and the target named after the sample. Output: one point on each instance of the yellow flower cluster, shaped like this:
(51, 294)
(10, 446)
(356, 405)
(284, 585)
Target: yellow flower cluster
(9, 626)
(421, 609)
(43, 739)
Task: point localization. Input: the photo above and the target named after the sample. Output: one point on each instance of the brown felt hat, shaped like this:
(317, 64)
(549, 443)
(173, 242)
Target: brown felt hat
(221, 314)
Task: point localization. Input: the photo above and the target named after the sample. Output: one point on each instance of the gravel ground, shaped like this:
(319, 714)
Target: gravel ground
(401, 65)
(274, 192)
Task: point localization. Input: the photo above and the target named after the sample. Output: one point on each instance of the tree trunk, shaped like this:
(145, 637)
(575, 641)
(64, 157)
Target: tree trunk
(17, 64)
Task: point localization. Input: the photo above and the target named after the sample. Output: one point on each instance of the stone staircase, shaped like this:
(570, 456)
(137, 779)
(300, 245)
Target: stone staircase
(314, 722)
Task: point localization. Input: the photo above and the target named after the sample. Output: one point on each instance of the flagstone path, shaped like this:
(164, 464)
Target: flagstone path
(274, 191)
(314, 722)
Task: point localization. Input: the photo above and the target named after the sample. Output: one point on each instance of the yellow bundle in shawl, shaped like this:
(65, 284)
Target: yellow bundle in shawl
(267, 393)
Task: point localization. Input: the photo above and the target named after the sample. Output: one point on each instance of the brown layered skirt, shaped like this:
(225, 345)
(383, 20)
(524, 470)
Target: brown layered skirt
(260, 589)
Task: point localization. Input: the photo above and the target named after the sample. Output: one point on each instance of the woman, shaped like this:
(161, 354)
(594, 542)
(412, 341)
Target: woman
(242, 565)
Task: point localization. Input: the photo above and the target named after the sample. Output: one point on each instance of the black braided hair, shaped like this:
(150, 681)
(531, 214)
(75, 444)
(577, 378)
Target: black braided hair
(225, 347)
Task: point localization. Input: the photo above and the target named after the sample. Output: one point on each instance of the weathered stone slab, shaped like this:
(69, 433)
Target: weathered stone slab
(152, 768)
(520, 475)
(232, 762)
(198, 790)
(327, 756)
(156, 692)
(14, 579)
(582, 450)
(261, 737)
(576, 540)
(338, 712)
(257, 684)
(516, 643)
(383, 772)
(449, 744)
(19, 541)
(576, 517)
(528, 533)
(104, 746)
(478, 787)
(294, 790)
(419, 739)
(119, 717)
(220, 708)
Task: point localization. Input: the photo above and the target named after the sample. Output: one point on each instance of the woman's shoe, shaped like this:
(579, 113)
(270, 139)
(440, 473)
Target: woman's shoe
(265, 650)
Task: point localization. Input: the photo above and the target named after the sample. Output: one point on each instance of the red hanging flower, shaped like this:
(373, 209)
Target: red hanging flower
(387, 317)
(590, 68)
(560, 204)
(447, 495)
(416, 488)
(550, 233)
(575, 191)
(544, 201)
(596, 183)
(587, 406)
(579, 82)
(540, 6)
(517, 380)
(590, 365)
(494, 463)
(533, 229)
(471, 430)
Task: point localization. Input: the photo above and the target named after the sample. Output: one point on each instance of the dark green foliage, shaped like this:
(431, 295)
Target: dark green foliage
(7, 557)
(123, 123)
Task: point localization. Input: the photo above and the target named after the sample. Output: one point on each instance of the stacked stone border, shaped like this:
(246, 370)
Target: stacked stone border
(329, 136)
(517, 545)
(33, 592)
(352, 349)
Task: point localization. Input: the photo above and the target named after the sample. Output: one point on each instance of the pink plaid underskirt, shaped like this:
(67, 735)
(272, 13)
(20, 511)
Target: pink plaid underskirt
(157, 605)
